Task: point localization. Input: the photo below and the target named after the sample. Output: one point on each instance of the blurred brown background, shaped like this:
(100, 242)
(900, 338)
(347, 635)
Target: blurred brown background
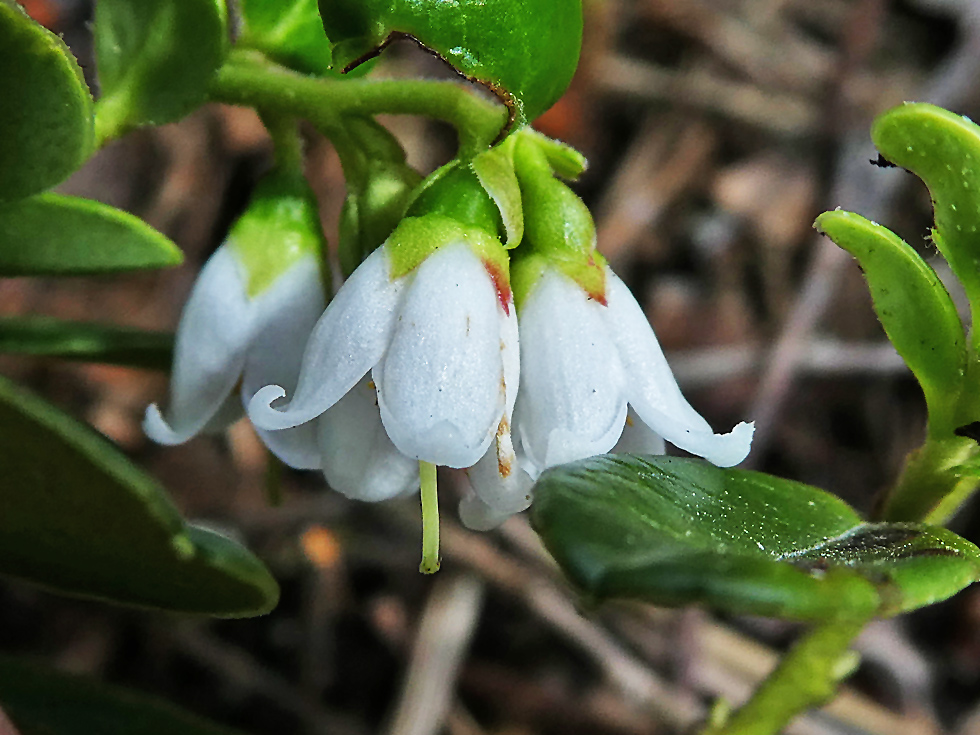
(716, 131)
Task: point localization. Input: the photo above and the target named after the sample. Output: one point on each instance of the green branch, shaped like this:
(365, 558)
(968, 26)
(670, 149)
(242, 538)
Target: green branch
(248, 78)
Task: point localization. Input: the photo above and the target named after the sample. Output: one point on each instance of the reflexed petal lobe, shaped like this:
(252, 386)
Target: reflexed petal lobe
(286, 314)
(652, 390)
(502, 485)
(478, 516)
(358, 458)
(571, 403)
(440, 383)
(212, 342)
(346, 342)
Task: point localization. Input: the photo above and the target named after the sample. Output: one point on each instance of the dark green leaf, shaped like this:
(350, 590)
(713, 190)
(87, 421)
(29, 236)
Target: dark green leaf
(77, 517)
(86, 341)
(155, 59)
(43, 702)
(46, 129)
(524, 49)
(676, 531)
(288, 31)
(51, 234)
(943, 149)
(913, 305)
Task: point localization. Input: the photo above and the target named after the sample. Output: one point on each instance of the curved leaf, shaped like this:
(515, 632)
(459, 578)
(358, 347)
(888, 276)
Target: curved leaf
(77, 517)
(155, 59)
(676, 531)
(55, 235)
(942, 149)
(912, 304)
(525, 49)
(46, 129)
(44, 702)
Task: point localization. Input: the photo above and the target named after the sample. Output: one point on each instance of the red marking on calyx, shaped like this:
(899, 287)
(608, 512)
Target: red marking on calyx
(599, 295)
(501, 283)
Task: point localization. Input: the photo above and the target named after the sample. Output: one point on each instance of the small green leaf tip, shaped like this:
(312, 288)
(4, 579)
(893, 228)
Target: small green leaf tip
(56, 235)
(46, 122)
(913, 306)
(526, 51)
(942, 149)
(81, 519)
(677, 531)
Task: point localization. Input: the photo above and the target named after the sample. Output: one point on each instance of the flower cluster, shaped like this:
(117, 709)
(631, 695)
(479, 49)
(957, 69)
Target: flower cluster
(445, 346)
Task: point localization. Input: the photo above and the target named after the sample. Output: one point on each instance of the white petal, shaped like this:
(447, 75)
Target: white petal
(652, 390)
(638, 438)
(478, 516)
(571, 404)
(286, 313)
(346, 342)
(510, 355)
(359, 459)
(212, 340)
(499, 479)
(439, 384)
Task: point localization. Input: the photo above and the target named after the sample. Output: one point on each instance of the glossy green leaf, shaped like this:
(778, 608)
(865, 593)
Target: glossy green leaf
(912, 304)
(46, 129)
(526, 50)
(76, 516)
(42, 702)
(288, 31)
(942, 149)
(155, 59)
(51, 234)
(495, 170)
(86, 341)
(676, 531)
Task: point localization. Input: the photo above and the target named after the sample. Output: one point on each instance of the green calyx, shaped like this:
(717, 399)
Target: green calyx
(558, 228)
(416, 238)
(280, 227)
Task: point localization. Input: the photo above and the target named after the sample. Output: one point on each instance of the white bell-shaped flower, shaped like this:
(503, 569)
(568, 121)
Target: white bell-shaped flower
(434, 340)
(246, 323)
(585, 363)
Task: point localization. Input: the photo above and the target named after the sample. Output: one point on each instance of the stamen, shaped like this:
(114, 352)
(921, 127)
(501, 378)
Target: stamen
(430, 519)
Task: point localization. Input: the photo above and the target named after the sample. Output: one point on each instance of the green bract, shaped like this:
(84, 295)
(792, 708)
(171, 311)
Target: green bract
(526, 50)
(46, 127)
(289, 31)
(155, 59)
(914, 308)
(676, 531)
(376, 202)
(51, 234)
(80, 518)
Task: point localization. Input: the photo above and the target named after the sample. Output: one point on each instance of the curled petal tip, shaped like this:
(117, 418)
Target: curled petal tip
(157, 428)
(263, 415)
(733, 447)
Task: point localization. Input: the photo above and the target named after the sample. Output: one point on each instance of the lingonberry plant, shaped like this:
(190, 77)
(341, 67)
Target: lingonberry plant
(478, 328)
